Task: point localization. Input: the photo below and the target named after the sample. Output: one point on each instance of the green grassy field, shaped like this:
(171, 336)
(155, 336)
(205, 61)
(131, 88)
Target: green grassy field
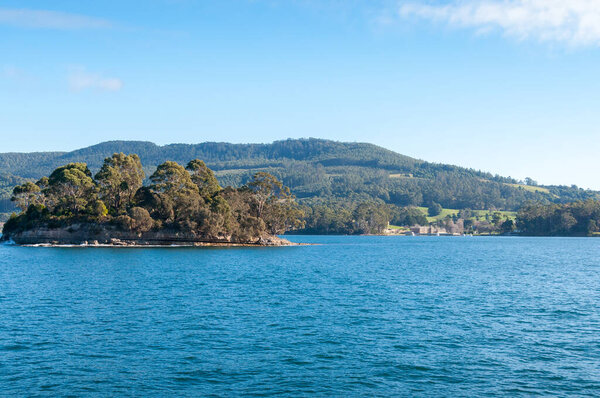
(397, 227)
(441, 216)
(530, 188)
(478, 214)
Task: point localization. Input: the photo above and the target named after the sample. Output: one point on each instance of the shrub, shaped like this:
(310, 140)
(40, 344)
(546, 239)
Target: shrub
(97, 209)
(434, 210)
(140, 219)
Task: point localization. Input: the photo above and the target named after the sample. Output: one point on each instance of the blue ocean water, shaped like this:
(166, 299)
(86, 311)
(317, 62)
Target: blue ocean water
(353, 316)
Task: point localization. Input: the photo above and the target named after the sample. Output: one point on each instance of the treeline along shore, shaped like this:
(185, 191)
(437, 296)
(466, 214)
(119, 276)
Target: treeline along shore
(579, 218)
(179, 206)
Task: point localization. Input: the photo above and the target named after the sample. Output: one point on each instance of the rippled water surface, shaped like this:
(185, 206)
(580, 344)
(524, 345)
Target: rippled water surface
(368, 316)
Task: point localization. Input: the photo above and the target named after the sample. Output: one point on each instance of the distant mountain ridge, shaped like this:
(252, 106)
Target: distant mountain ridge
(215, 153)
(315, 169)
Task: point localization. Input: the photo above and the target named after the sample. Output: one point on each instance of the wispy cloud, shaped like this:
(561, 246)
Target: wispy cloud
(80, 79)
(16, 75)
(27, 18)
(11, 72)
(574, 22)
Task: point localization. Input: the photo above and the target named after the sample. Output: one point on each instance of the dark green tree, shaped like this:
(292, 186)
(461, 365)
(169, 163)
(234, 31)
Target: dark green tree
(274, 204)
(370, 218)
(434, 210)
(508, 226)
(266, 189)
(174, 184)
(97, 209)
(119, 179)
(204, 178)
(408, 216)
(70, 189)
(26, 194)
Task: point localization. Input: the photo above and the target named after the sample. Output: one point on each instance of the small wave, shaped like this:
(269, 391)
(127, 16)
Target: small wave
(14, 347)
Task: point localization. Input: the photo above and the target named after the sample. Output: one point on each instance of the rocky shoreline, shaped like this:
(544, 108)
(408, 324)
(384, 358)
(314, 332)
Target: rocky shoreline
(104, 236)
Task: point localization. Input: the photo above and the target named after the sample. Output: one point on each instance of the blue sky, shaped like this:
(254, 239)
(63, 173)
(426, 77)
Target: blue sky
(511, 87)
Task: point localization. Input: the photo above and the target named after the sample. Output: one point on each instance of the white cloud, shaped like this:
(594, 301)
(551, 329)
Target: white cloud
(27, 18)
(574, 22)
(80, 79)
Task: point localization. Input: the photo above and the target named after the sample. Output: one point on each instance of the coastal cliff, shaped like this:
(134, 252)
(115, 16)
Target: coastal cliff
(103, 235)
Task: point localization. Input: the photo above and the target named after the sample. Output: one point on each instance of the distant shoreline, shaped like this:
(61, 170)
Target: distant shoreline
(154, 246)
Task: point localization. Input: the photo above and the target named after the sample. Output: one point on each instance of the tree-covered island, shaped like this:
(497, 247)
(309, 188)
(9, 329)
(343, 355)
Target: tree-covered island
(177, 206)
(339, 188)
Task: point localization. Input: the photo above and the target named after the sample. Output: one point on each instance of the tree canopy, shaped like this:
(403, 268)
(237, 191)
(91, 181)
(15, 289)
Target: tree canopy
(188, 199)
(118, 180)
(312, 168)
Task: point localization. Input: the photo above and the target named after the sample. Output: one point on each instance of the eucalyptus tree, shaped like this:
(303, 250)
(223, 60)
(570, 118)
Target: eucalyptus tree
(173, 184)
(26, 194)
(70, 189)
(119, 179)
(188, 199)
(272, 202)
(371, 218)
(244, 223)
(267, 189)
(204, 178)
(42, 183)
(172, 179)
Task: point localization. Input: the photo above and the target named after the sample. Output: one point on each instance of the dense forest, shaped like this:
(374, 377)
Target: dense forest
(315, 168)
(188, 200)
(570, 219)
(7, 184)
(339, 185)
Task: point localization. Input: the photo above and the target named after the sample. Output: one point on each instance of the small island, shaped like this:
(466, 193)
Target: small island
(178, 206)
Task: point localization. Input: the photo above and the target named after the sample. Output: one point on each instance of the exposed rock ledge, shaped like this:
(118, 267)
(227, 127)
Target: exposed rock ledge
(102, 235)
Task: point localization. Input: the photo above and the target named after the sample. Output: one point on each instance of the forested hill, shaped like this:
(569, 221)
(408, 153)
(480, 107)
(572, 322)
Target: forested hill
(316, 170)
(220, 155)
